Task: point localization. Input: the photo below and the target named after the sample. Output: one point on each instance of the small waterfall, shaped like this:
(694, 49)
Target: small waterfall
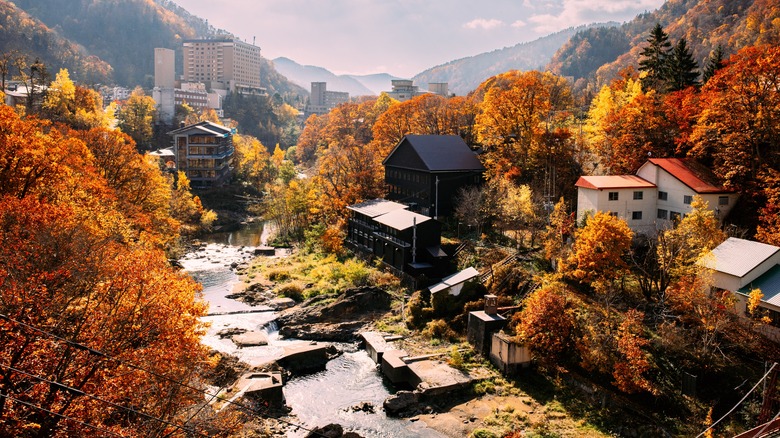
(271, 330)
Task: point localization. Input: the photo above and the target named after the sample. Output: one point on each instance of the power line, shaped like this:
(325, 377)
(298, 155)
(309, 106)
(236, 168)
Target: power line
(739, 402)
(76, 391)
(34, 406)
(83, 347)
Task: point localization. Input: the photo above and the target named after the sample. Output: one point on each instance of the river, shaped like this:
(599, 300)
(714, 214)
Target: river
(316, 399)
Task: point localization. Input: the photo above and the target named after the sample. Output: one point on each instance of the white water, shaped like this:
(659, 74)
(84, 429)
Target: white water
(317, 399)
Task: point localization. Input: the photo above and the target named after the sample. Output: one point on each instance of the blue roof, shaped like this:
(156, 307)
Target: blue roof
(769, 283)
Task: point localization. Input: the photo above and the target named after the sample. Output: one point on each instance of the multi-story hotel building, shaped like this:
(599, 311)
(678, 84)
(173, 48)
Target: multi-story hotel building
(204, 152)
(228, 64)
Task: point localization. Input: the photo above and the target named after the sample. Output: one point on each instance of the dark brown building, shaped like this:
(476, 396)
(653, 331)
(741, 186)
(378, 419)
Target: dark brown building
(425, 172)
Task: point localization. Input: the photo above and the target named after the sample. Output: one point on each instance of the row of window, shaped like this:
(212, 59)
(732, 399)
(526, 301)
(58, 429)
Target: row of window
(664, 196)
(662, 214)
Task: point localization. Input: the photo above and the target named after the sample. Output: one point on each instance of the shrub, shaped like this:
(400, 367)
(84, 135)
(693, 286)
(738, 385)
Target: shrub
(483, 433)
(278, 274)
(292, 290)
(439, 329)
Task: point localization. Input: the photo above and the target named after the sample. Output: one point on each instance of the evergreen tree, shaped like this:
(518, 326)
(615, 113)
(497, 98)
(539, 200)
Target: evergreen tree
(655, 58)
(714, 64)
(681, 69)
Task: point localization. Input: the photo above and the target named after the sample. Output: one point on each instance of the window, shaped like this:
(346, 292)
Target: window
(613, 196)
(636, 215)
(723, 200)
(662, 214)
(663, 196)
(638, 195)
(687, 199)
(613, 213)
(675, 216)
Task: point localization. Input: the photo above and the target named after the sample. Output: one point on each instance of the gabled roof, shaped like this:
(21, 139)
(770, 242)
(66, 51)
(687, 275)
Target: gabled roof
(401, 219)
(435, 153)
(692, 174)
(738, 257)
(455, 279)
(376, 207)
(614, 182)
(769, 283)
(204, 127)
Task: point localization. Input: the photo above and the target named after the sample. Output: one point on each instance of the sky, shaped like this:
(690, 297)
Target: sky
(400, 37)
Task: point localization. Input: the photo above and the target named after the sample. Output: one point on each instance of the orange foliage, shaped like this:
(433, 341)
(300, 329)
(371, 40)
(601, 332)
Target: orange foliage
(82, 259)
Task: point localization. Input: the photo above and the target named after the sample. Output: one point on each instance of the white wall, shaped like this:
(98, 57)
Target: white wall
(598, 200)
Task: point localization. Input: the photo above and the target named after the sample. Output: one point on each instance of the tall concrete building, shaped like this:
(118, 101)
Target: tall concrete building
(164, 67)
(227, 64)
(321, 100)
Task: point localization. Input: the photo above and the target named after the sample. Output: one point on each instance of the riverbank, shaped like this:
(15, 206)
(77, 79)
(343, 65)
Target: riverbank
(496, 406)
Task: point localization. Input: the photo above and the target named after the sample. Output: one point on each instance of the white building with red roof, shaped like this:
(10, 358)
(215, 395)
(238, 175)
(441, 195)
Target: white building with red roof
(661, 192)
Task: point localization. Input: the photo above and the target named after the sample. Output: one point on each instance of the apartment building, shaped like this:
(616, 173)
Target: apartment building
(227, 64)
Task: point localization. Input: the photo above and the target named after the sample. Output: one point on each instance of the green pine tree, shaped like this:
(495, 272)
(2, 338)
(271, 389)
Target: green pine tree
(682, 71)
(654, 59)
(714, 63)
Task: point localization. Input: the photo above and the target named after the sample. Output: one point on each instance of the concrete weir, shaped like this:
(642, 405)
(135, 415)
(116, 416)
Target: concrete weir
(304, 358)
(425, 374)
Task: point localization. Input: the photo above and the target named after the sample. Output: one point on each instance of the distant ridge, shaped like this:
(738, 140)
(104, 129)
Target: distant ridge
(465, 74)
(355, 85)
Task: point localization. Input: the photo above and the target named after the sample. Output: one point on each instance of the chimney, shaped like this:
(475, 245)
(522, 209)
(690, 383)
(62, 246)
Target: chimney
(491, 305)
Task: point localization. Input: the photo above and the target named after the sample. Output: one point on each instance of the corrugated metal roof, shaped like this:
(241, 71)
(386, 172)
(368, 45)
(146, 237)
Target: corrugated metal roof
(455, 279)
(439, 153)
(376, 207)
(614, 182)
(401, 219)
(692, 174)
(739, 256)
(769, 283)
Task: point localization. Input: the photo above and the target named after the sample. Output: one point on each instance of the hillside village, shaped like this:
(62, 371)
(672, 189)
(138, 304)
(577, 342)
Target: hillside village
(546, 255)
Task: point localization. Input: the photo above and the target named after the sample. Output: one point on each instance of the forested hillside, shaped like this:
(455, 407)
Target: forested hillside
(22, 34)
(598, 56)
(464, 75)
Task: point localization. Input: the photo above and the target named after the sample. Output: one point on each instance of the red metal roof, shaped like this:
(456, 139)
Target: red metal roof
(692, 174)
(613, 182)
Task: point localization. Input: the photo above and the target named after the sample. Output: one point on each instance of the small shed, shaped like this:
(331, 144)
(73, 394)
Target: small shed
(482, 324)
(454, 283)
(507, 355)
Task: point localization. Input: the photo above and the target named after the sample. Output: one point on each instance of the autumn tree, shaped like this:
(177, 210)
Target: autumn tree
(599, 253)
(512, 122)
(251, 160)
(546, 323)
(559, 229)
(135, 118)
(88, 297)
(76, 106)
(470, 206)
(738, 130)
(626, 125)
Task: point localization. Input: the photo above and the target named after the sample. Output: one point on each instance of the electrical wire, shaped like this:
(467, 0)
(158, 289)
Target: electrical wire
(83, 347)
(101, 429)
(739, 402)
(77, 391)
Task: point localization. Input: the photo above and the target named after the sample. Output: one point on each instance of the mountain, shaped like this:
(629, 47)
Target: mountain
(704, 24)
(24, 35)
(110, 41)
(304, 75)
(377, 82)
(465, 74)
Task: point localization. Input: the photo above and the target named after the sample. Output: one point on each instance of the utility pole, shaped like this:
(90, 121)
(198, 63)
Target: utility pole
(414, 240)
(436, 212)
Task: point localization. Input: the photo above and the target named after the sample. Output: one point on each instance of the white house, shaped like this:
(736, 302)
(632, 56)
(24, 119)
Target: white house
(741, 266)
(661, 192)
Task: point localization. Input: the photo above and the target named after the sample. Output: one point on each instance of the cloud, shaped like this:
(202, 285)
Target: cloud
(574, 12)
(483, 23)
(519, 23)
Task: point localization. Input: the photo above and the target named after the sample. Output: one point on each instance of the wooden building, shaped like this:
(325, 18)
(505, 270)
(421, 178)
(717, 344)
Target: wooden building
(425, 172)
